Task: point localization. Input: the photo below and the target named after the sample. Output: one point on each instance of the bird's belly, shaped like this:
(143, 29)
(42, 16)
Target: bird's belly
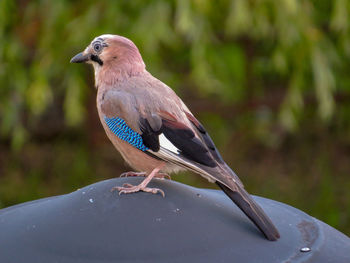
(136, 158)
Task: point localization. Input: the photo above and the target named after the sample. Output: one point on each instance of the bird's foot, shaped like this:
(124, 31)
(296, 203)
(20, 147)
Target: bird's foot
(129, 188)
(159, 175)
(131, 173)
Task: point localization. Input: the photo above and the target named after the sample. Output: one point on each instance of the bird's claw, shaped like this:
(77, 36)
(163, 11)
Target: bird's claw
(155, 191)
(129, 188)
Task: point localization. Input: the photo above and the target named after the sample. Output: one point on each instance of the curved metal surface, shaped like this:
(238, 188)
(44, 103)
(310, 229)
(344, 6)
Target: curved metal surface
(93, 224)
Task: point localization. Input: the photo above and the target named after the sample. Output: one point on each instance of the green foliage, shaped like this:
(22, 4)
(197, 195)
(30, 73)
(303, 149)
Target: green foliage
(233, 49)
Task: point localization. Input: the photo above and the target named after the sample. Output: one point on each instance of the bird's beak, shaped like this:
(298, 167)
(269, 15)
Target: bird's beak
(79, 58)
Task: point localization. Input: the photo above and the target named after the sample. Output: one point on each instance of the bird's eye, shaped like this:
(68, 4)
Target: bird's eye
(97, 47)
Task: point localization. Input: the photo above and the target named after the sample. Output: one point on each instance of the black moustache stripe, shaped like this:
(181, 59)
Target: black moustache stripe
(97, 59)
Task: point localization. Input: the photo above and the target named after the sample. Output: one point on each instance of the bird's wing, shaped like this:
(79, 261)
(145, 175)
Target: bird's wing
(176, 137)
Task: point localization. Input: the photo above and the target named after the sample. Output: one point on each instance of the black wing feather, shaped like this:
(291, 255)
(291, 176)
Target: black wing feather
(206, 138)
(180, 136)
(149, 136)
(189, 145)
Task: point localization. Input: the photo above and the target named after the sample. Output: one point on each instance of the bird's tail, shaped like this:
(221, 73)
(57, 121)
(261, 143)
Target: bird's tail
(238, 195)
(252, 210)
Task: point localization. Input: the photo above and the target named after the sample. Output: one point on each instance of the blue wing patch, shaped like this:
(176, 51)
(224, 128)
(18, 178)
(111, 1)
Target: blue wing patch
(119, 127)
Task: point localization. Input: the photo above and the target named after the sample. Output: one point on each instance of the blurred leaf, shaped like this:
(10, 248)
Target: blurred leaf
(324, 84)
(340, 19)
(38, 95)
(74, 111)
(293, 104)
(239, 18)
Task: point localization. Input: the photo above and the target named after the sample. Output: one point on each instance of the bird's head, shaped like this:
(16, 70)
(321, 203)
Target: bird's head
(113, 58)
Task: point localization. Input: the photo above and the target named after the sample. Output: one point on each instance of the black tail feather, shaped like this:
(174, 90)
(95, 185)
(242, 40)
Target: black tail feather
(252, 210)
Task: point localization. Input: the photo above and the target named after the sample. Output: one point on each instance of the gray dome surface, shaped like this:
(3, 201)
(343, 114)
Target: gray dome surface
(94, 224)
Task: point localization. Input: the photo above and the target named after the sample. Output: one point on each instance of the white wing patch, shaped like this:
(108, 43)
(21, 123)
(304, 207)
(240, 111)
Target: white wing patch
(166, 144)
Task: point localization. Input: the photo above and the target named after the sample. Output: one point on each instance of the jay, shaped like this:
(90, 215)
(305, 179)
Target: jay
(153, 129)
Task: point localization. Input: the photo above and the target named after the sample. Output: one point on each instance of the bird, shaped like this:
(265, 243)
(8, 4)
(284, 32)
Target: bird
(153, 129)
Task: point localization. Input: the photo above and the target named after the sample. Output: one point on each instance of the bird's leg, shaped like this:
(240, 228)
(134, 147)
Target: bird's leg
(159, 175)
(128, 188)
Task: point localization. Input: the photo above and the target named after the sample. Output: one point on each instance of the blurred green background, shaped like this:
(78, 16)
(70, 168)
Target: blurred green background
(268, 78)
